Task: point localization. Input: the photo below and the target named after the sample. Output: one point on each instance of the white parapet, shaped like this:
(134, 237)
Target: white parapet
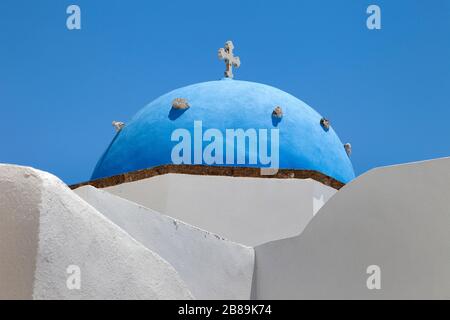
(212, 267)
(54, 245)
(385, 235)
(250, 211)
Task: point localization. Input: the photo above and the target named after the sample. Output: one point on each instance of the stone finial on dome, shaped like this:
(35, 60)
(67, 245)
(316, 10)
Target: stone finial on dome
(325, 123)
(277, 112)
(348, 149)
(226, 54)
(180, 103)
(118, 125)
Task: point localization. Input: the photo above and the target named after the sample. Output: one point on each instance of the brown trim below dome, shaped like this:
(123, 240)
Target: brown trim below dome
(210, 171)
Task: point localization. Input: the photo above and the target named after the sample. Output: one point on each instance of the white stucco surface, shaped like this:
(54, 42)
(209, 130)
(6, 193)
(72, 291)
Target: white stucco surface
(250, 211)
(395, 217)
(212, 267)
(45, 227)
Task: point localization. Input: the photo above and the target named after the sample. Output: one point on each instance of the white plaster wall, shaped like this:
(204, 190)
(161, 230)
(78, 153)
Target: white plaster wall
(395, 217)
(250, 211)
(45, 227)
(20, 195)
(212, 267)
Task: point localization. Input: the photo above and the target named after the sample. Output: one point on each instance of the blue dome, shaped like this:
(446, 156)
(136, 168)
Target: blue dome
(227, 104)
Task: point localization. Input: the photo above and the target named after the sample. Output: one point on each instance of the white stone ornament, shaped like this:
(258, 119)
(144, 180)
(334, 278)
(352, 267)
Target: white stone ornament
(180, 103)
(325, 123)
(118, 125)
(226, 54)
(348, 149)
(277, 112)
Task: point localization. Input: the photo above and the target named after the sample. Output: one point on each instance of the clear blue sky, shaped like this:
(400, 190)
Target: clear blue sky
(387, 92)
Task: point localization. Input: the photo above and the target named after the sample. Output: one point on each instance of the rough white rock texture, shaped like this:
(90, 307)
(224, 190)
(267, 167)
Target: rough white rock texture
(212, 267)
(395, 217)
(250, 211)
(45, 227)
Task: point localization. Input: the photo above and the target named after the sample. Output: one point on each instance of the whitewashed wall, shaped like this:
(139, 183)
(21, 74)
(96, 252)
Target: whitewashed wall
(45, 228)
(250, 211)
(397, 218)
(213, 268)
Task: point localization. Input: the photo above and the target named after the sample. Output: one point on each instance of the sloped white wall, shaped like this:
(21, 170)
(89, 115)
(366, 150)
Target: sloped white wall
(397, 218)
(45, 227)
(20, 196)
(213, 268)
(250, 211)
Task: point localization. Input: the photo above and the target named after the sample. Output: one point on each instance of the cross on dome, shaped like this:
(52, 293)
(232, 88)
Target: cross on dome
(226, 54)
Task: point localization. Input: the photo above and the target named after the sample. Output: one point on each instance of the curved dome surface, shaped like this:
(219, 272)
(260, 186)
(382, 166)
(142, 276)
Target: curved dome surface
(227, 104)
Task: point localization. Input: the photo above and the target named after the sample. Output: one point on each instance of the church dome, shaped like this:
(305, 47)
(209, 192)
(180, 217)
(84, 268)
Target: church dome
(305, 143)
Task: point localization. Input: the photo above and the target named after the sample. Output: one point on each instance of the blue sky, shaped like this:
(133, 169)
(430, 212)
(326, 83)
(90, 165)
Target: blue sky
(386, 91)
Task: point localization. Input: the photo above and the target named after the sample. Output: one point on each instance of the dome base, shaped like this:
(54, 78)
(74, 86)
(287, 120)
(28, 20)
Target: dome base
(211, 171)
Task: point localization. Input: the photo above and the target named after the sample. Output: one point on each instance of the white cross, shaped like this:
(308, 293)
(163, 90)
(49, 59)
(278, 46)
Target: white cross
(226, 54)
